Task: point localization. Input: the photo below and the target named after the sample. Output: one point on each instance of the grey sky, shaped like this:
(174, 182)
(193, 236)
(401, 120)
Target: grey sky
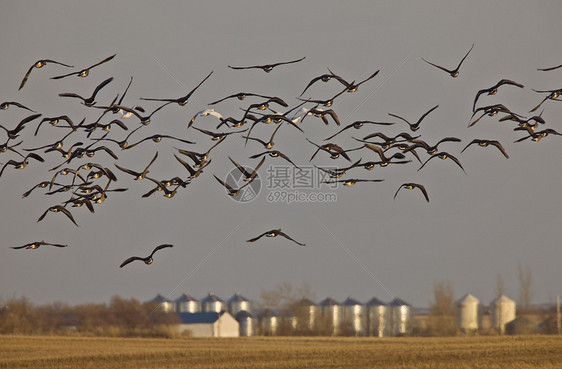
(501, 213)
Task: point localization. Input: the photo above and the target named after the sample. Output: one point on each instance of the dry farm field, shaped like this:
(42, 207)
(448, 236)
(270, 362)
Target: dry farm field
(514, 352)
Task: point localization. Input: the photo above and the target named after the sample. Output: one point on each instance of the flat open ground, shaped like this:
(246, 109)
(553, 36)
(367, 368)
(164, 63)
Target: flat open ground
(282, 352)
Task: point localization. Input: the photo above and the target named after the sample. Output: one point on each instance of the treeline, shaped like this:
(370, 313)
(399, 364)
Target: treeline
(120, 318)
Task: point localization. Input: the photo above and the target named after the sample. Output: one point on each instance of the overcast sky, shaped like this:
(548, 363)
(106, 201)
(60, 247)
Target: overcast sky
(476, 227)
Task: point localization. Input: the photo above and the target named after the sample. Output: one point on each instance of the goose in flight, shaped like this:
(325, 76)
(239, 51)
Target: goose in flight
(86, 71)
(268, 67)
(486, 143)
(490, 110)
(37, 244)
(248, 175)
(58, 209)
(243, 95)
(452, 72)
(22, 164)
(274, 154)
(233, 192)
(138, 175)
(148, 259)
(326, 78)
(357, 125)
(443, 155)
(411, 186)
(181, 101)
(494, 89)
(14, 133)
(352, 181)
(40, 64)
(88, 101)
(275, 233)
(552, 95)
(6, 104)
(415, 126)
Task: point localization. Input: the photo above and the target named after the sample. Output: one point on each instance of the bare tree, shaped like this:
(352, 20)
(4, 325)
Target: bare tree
(442, 316)
(284, 295)
(500, 286)
(289, 301)
(525, 288)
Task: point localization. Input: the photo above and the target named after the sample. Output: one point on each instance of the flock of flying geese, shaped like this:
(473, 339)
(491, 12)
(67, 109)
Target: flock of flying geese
(91, 182)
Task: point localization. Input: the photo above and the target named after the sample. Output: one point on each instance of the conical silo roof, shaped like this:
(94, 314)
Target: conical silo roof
(398, 302)
(502, 299)
(468, 299)
(186, 298)
(350, 302)
(160, 299)
(328, 302)
(211, 298)
(375, 302)
(237, 298)
(306, 302)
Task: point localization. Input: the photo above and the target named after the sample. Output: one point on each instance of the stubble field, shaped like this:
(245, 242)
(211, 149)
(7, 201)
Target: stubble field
(281, 352)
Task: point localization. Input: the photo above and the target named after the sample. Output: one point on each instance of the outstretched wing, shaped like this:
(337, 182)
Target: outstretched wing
(462, 60)
(426, 114)
(44, 62)
(258, 237)
(548, 69)
(457, 161)
(55, 244)
(67, 213)
(289, 238)
(228, 187)
(26, 76)
(160, 247)
(413, 185)
(130, 260)
(21, 247)
(438, 66)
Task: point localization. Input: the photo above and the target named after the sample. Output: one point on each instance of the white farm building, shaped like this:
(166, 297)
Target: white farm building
(211, 324)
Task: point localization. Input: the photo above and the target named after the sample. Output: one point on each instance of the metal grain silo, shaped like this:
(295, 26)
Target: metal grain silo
(468, 314)
(187, 304)
(400, 317)
(331, 316)
(306, 313)
(246, 323)
(354, 317)
(238, 303)
(269, 322)
(163, 303)
(502, 311)
(289, 323)
(378, 316)
(212, 304)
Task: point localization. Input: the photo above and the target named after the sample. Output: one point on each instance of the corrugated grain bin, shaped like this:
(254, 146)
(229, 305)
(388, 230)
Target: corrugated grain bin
(378, 316)
(502, 310)
(401, 316)
(468, 314)
(331, 315)
(238, 303)
(306, 313)
(163, 303)
(354, 317)
(247, 323)
(269, 322)
(522, 325)
(187, 304)
(212, 304)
